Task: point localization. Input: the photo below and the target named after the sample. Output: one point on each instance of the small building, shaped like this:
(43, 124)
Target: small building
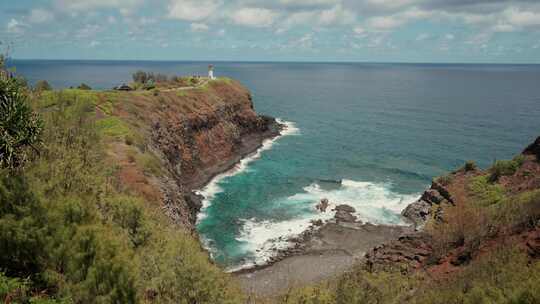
(211, 72)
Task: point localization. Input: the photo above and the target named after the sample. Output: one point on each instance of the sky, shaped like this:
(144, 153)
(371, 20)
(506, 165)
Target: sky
(483, 31)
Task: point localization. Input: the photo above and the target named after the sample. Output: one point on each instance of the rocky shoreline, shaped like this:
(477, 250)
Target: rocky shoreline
(344, 219)
(323, 250)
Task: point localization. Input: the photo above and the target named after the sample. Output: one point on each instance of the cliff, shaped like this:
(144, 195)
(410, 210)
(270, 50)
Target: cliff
(475, 239)
(188, 136)
(469, 212)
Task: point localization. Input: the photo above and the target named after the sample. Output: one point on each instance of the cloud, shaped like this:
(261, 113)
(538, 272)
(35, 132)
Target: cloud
(76, 6)
(522, 18)
(254, 17)
(88, 31)
(39, 15)
(193, 10)
(199, 27)
(336, 15)
(15, 27)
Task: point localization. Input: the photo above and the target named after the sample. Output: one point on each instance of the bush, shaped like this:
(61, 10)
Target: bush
(140, 77)
(505, 167)
(485, 193)
(470, 166)
(84, 86)
(445, 180)
(42, 85)
(20, 127)
(519, 212)
(466, 226)
(503, 276)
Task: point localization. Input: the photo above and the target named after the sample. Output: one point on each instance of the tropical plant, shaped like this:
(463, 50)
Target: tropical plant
(20, 127)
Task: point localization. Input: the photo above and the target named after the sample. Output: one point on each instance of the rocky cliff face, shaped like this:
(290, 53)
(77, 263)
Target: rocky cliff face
(196, 134)
(455, 191)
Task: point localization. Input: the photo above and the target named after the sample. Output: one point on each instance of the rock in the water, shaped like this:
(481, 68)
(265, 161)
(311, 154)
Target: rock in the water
(317, 223)
(322, 205)
(344, 213)
(345, 208)
(342, 216)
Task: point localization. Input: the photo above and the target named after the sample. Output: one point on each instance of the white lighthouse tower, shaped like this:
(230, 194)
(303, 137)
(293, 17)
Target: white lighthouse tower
(211, 72)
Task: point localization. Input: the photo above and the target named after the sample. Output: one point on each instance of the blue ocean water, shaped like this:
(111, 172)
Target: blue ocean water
(369, 135)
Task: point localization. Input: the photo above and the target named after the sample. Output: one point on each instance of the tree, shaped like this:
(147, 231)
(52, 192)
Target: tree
(20, 127)
(140, 77)
(43, 85)
(84, 86)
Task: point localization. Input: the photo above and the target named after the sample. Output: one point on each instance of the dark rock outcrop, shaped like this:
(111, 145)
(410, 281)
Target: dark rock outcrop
(344, 213)
(533, 149)
(421, 210)
(410, 250)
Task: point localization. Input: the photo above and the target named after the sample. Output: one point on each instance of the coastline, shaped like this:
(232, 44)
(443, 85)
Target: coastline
(332, 245)
(319, 254)
(251, 147)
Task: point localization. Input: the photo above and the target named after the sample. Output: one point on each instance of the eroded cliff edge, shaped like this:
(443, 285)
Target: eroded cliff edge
(181, 138)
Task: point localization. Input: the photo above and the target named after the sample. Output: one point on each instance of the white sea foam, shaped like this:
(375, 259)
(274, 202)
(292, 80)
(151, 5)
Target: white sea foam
(374, 203)
(212, 188)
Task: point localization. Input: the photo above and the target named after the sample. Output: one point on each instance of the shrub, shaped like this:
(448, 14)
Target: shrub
(84, 86)
(503, 276)
(485, 193)
(42, 85)
(505, 167)
(445, 180)
(470, 166)
(20, 127)
(465, 225)
(140, 77)
(519, 212)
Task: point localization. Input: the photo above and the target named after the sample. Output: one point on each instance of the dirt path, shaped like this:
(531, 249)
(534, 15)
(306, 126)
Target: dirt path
(188, 88)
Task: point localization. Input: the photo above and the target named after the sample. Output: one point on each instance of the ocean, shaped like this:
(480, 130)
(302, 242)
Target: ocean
(371, 135)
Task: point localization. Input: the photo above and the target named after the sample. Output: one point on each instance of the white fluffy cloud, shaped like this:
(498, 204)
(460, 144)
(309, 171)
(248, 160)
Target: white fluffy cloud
(192, 10)
(39, 15)
(86, 5)
(254, 17)
(15, 27)
(522, 18)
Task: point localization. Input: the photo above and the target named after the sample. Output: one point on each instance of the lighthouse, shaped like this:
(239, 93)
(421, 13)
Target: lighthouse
(211, 72)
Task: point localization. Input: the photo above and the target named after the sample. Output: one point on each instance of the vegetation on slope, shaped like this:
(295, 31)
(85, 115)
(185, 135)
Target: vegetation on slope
(69, 232)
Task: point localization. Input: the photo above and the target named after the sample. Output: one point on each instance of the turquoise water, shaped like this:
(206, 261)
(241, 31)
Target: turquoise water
(369, 135)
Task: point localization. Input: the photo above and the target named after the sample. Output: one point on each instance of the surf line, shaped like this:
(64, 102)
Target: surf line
(209, 191)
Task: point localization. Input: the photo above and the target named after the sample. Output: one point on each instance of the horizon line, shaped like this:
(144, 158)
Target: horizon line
(284, 61)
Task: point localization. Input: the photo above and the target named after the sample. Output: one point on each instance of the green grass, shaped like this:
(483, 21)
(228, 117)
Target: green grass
(150, 163)
(114, 127)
